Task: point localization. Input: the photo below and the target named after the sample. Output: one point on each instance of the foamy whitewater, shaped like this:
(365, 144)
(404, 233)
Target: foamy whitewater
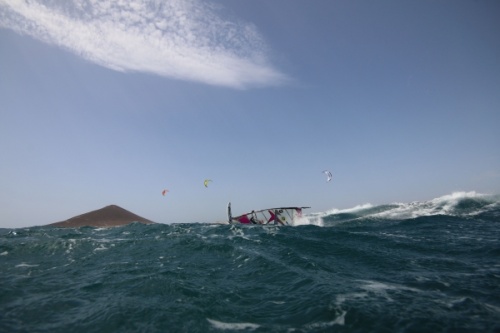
(402, 267)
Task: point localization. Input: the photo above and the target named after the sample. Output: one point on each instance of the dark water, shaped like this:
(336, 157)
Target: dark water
(418, 267)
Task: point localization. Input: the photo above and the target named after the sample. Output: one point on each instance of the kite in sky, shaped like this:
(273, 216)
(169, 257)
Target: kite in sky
(328, 175)
(206, 182)
(164, 192)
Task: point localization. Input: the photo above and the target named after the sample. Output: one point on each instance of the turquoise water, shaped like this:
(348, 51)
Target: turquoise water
(416, 267)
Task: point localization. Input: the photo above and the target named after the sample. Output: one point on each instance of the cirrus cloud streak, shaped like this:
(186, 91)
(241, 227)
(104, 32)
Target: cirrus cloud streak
(181, 39)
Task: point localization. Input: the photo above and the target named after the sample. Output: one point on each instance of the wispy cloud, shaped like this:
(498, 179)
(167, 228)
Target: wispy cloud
(182, 39)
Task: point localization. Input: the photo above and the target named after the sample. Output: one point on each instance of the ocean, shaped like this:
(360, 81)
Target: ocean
(430, 266)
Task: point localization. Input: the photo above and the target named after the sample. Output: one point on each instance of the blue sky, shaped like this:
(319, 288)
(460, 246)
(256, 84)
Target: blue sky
(107, 103)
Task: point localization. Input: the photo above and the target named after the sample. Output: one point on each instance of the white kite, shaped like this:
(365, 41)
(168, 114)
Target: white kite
(328, 175)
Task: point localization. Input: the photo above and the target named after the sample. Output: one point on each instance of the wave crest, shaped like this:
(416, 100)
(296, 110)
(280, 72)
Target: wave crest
(461, 204)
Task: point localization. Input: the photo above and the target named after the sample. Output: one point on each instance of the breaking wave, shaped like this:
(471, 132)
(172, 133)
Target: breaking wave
(458, 204)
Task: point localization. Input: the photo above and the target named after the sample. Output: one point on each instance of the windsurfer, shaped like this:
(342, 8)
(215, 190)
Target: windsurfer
(254, 219)
(279, 220)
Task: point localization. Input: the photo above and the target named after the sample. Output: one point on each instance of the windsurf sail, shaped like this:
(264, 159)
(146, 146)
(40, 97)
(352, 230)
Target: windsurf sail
(277, 216)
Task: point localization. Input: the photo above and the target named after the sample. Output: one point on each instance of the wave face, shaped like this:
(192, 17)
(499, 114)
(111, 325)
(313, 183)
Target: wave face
(404, 267)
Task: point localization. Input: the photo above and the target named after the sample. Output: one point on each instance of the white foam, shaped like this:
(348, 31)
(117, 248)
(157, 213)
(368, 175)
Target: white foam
(101, 248)
(444, 205)
(340, 320)
(381, 288)
(308, 220)
(342, 298)
(232, 326)
(4, 253)
(26, 265)
(71, 243)
(347, 210)
(317, 218)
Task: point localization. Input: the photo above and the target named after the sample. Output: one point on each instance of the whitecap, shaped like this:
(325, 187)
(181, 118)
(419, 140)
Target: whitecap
(444, 205)
(381, 289)
(278, 302)
(340, 320)
(309, 220)
(26, 265)
(101, 248)
(232, 326)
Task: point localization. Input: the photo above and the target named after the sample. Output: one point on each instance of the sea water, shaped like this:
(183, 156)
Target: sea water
(405, 267)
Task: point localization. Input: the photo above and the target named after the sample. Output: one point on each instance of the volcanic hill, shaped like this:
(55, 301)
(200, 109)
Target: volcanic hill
(109, 216)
